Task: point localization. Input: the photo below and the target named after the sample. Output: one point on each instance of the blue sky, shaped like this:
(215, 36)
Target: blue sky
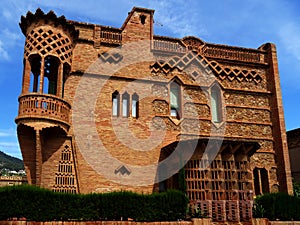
(247, 23)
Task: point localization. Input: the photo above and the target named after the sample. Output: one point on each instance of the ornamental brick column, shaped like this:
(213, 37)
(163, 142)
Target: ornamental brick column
(38, 159)
(41, 90)
(26, 76)
(279, 131)
(60, 81)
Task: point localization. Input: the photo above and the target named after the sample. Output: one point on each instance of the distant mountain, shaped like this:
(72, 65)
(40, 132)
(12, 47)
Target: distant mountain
(10, 162)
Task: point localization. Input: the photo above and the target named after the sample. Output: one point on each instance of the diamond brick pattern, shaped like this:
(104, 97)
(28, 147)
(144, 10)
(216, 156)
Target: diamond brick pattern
(221, 72)
(44, 40)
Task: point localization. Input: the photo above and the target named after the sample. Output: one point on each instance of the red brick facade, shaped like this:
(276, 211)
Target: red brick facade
(101, 106)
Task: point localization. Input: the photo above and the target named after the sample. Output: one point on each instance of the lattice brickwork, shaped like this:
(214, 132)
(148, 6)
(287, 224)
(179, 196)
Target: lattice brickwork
(181, 63)
(219, 190)
(234, 73)
(221, 72)
(45, 40)
(65, 179)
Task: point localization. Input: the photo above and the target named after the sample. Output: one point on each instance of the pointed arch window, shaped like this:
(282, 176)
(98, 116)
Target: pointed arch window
(115, 103)
(216, 104)
(135, 106)
(175, 102)
(125, 104)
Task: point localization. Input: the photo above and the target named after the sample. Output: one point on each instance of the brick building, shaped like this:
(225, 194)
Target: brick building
(12, 180)
(293, 138)
(101, 105)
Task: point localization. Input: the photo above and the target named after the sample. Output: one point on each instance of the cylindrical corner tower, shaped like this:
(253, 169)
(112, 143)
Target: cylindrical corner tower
(43, 112)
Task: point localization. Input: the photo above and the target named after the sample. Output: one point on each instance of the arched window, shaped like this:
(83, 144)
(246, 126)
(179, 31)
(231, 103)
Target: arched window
(216, 106)
(115, 103)
(35, 64)
(175, 102)
(135, 106)
(261, 181)
(125, 104)
(50, 74)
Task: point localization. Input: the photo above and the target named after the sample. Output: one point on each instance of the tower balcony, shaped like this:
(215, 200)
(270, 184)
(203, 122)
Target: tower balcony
(35, 107)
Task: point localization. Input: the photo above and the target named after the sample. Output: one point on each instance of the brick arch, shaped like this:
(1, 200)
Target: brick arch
(52, 139)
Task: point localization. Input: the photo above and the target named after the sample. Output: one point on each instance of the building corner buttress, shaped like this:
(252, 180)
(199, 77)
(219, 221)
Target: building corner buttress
(279, 131)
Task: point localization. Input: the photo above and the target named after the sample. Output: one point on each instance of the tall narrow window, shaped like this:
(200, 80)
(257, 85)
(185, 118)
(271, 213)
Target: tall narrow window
(264, 181)
(216, 106)
(115, 103)
(35, 64)
(261, 181)
(125, 104)
(134, 105)
(175, 99)
(50, 75)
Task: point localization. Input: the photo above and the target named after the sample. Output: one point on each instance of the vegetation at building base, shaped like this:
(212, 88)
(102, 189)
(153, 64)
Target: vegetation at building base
(277, 206)
(296, 189)
(37, 204)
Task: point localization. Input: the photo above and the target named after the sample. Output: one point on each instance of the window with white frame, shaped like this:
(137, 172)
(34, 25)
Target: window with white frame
(125, 105)
(175, 109)
(216, 104)
(134, 105)
(115, 103)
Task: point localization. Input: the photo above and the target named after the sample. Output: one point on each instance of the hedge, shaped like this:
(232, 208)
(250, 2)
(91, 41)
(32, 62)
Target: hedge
(277, 206)
(37, 204)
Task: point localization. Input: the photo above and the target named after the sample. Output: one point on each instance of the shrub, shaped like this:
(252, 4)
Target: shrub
(296, 189)
(277, 206)
(38, 204)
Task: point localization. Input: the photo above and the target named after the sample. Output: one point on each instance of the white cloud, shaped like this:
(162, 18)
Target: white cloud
(9, 144)
(290, 36)
(7, 14)
(4, 134)
(8, 132)
(178, 21)
(3, 53)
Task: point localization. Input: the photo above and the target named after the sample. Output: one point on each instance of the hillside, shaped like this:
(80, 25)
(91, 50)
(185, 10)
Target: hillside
(9, 162)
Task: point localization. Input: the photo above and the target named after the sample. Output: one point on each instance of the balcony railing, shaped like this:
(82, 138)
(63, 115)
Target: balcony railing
(240, 54)
(169, 45)
(174, 45)
(43, 106)
(111, 37)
